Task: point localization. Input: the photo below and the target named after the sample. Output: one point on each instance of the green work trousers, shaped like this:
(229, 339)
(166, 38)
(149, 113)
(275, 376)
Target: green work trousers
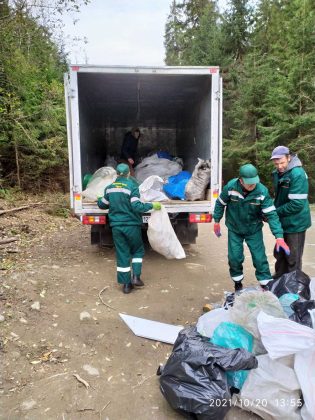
(255, 243)
(129, 248)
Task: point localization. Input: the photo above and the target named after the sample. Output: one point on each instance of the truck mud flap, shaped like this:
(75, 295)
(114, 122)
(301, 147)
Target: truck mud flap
(101, 235)
(186, 232)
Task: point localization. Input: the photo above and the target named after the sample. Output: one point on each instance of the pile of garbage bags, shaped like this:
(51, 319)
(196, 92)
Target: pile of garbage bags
(178, 184)
(160, 176)
(187, 186)
(252, 352)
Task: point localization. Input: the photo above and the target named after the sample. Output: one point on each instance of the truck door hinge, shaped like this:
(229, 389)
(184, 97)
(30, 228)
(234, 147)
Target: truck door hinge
(71, 94)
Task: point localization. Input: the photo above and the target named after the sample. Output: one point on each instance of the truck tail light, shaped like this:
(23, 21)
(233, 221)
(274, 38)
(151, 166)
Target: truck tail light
(200, 218)
(94, 220)
(215, 194)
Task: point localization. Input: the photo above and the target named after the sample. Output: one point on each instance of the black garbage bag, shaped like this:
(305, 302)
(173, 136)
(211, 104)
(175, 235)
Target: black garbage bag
(301, 310)
(294, 282)
(194, 382)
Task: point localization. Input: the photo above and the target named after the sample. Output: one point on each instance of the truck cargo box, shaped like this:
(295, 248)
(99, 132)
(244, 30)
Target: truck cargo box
(178, 109)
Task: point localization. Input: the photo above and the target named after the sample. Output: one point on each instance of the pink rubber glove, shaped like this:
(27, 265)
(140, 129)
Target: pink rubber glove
(281, 244)
(217, 229)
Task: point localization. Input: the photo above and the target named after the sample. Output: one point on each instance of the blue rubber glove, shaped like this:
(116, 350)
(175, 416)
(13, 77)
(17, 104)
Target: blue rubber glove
(281, 244)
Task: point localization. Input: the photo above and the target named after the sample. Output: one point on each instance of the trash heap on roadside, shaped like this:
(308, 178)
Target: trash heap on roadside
(255, 351)
(161, 178)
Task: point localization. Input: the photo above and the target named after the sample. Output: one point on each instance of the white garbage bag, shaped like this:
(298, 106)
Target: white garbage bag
(208, 322)
(99, 181)
(282, 337)
(153, 165)
(151, 189)
(272, 391)
(162, 237)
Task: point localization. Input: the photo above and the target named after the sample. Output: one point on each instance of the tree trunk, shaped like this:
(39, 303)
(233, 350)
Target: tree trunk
(17, 163)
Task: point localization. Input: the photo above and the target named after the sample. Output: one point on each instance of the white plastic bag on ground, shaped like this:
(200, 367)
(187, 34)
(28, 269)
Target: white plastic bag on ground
(151, 189)
(153, 165)
(208, 322)
(99, 181)
(162, 237)
(283, 337)
(272, 391)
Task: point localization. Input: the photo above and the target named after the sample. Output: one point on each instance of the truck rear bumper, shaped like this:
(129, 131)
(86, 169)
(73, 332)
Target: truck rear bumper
(185, 230)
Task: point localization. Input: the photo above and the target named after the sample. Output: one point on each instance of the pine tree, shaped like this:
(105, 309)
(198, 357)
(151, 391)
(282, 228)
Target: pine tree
(237, 23)
(206, 45)
(174, 35)
(33, 144)
(273, 100)
(182, 28)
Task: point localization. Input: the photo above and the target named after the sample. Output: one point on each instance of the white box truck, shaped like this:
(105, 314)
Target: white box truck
(178, 109)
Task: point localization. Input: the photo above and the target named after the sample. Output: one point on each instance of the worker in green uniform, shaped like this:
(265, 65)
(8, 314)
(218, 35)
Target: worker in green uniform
(125, 208)
(291, 201)
(247, 202)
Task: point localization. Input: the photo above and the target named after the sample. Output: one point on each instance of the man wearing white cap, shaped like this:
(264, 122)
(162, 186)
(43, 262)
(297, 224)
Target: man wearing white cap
(291, 201)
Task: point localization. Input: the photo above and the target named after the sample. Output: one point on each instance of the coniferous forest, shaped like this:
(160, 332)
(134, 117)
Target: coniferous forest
(265, 48)
(33, 141)
(266, 51)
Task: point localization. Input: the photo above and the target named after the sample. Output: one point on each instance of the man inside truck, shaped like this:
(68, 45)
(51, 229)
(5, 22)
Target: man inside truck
(122, 198)
(129, 148)
(248, 203)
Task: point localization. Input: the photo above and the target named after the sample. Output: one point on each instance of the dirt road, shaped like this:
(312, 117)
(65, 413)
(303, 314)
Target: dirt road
(43, 348)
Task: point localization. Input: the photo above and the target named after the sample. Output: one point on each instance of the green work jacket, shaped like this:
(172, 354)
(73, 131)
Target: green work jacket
(122, 198)
(244, 215)
(291, 197)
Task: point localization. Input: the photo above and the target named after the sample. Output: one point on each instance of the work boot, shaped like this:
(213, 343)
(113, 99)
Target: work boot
(136, 281)
(238, 286)
(127, 288)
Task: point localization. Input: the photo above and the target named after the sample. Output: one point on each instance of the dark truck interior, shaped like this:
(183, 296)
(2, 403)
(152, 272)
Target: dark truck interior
(172, 112)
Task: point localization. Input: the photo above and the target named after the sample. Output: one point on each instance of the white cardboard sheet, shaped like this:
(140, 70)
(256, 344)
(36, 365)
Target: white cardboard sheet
(153, 330)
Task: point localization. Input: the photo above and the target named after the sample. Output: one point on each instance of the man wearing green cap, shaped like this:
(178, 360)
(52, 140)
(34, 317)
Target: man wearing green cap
(247, 201)
(122, 198)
